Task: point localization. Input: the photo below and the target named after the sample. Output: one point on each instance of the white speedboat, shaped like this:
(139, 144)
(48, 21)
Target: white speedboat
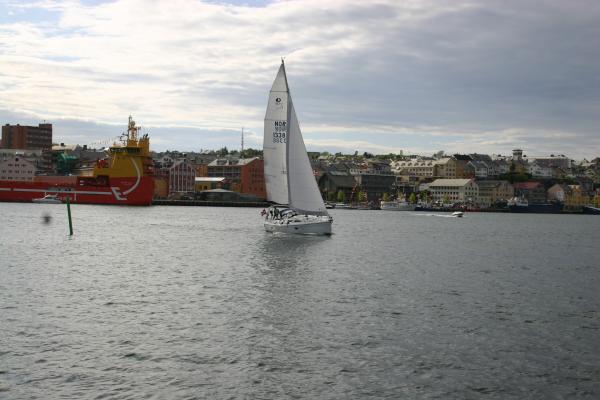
(48, 199)
(458, 214)
(288, 175)
(397, 206)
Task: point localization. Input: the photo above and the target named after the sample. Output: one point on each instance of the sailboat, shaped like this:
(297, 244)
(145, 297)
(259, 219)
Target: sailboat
(291, 185)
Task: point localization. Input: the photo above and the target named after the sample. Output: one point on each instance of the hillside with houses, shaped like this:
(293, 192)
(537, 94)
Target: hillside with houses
(473, 181)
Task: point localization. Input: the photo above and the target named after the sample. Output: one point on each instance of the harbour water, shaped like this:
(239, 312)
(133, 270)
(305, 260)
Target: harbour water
(200, 302)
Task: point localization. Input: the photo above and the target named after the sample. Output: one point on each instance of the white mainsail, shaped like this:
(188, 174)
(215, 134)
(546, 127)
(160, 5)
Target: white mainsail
(275, 140)
(288, 175)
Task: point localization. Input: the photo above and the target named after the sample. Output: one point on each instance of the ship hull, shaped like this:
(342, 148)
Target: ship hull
(591, 210)
(118, 191)
(536, 208)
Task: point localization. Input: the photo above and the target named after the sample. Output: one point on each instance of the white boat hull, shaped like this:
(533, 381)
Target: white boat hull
(311, 225)
(48, 199)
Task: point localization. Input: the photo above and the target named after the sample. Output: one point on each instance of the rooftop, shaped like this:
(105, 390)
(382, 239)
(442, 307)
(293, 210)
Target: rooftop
(450, 182)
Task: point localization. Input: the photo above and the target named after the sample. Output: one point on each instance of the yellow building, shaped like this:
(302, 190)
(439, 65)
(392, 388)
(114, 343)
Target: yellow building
(575, 198)
(491, 192)
(209, 183)
(445, 168)
(161, 187)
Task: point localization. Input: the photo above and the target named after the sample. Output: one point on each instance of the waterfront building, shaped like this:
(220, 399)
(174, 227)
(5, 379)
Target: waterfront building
(209, 183)
(534, 192)
(334, 181)
(374, 186)
(558, 192)
(36, 156)
(576, 198)
(27, 137)
(454, 190)
(572, 196)
(161, 187)
(493, 191)
(246, 175)
(181, 177)
(225, 196)
(17, 168)
(42, 159)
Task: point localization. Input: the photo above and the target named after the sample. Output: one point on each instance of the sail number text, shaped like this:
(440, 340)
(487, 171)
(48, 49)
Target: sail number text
(280, 132)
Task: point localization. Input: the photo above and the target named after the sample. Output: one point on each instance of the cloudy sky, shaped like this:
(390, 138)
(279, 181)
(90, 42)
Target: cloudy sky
(378, 76)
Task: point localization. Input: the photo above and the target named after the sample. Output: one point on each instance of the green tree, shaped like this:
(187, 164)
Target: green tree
(249, 153)
(362, 196)
(341, 197)
(331, 196)
(412, 198)
(446, 199)
(385, 197)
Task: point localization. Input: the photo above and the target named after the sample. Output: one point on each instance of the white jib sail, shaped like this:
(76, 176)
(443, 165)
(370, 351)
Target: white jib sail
(275, 140)
(304, 192)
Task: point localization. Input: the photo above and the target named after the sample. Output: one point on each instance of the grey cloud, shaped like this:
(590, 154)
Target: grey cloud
(491, 66)
(464, 66)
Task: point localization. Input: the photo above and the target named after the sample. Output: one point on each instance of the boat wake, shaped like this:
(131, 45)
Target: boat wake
(437, 215)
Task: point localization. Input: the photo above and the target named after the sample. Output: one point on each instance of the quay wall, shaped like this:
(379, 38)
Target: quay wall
(255, 204)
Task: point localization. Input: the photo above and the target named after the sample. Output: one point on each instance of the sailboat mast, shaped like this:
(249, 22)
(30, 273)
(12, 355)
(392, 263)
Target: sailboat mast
(288, 130)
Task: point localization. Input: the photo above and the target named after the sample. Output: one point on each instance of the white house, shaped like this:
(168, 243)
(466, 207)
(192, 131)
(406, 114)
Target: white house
(17, 169)
(482, 170)
(539, 170)
(454, 190)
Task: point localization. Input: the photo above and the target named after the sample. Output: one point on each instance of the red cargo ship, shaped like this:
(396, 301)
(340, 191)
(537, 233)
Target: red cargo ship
(124, 177)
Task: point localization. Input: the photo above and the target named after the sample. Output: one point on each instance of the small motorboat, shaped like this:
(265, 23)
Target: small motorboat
(458, 214)
(48, 199)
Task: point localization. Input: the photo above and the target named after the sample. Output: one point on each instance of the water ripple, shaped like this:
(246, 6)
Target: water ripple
(195, 302)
